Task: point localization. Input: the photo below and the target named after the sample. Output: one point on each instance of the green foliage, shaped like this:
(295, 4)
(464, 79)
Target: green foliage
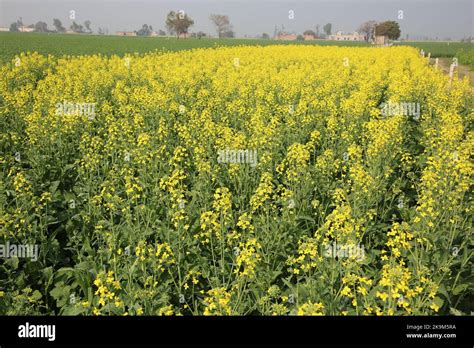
(389, 28)
(466, 56)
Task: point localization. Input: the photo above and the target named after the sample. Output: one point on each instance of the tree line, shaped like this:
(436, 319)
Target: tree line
(42, 27)
(178, 23)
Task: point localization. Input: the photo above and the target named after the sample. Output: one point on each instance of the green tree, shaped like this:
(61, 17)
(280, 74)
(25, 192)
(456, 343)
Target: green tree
(389, 28)
(327, 29)
(146, 30)
(14, 27)
(229, 34)
(87, 25)
(77, 28)
(41, 27)
(58, 25)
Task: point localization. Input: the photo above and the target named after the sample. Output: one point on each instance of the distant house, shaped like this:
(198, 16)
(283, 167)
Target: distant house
(125, 33)
(381, 40)
(26, 29)
(285, 36)
(341, 36)
(4, 29)
(309, 37)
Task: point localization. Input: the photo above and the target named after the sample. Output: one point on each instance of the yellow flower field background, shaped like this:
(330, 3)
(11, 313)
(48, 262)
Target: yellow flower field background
(135, 214)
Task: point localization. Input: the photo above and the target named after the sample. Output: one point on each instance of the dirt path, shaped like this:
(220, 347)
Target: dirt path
(463, 70)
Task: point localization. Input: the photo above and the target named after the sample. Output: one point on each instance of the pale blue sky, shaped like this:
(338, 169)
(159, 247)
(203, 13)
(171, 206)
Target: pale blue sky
(422, 18)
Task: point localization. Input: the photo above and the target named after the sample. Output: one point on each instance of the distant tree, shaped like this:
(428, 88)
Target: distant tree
(77, 28)
(146, 30)
(100, 31)
(178, 23)
(327, 29)
(198, 35)
(87, 25)
(367, 28)
(14, 26)
(300, 38)
(58, 25)
(170, 23)
(228, 34)
(41, 27)
(265, 36)
(161, 32)
(222, 24)
(389, 28)
(317, 30)
(309, 32)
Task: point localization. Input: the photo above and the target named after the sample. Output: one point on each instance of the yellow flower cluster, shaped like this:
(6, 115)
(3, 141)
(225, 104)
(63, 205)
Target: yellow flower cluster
(263, 192)
(107, 288)
(160, 254)
(295, 162)
(247, 258)
(308, 256)
(217, 302)
(311, 309)
(398, 239)
(340, 225)
(210, 226)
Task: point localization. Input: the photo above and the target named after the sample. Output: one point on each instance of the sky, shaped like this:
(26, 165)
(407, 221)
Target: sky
(421, 18)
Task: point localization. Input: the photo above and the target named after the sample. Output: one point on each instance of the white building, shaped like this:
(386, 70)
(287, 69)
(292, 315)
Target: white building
(341, 36)
(26, 29)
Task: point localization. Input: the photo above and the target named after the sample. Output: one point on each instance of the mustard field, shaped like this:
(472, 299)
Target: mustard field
(276, 180)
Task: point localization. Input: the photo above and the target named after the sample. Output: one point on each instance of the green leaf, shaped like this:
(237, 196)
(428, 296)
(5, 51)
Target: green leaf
(58, 291)
(455, 311)
(442, 290)
(73, 310)
(36, 295)
(54, 186)
(439, 301)
(460, 288)
(13, 262)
